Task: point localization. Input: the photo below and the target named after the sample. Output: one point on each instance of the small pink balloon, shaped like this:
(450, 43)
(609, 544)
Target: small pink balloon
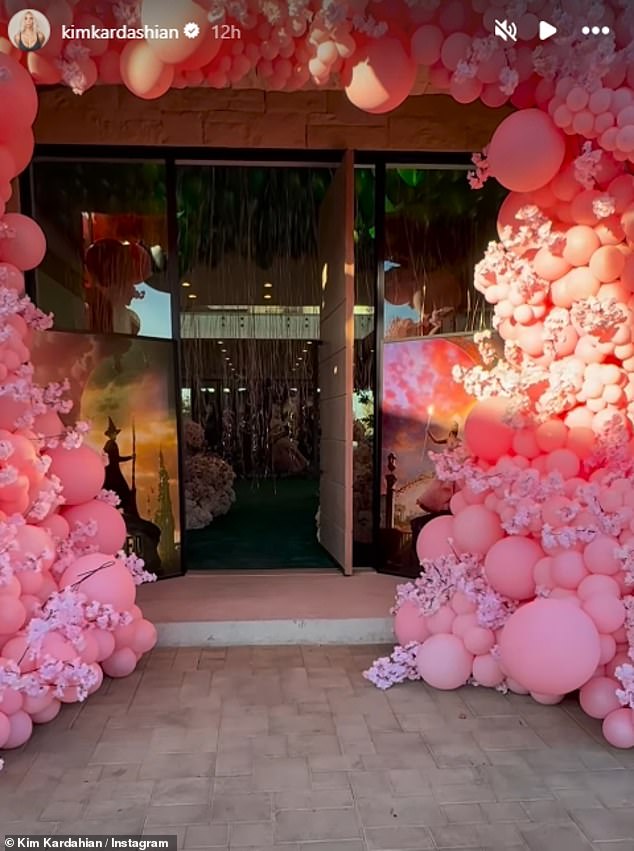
(618, 728)
(478, 640)
(568, 569)
(600, 557)
(37, 703)
(48, 714)
(144, 636)
(608, 649)
(443, 662)
(486, 671)
(10, 701)
(105, 643)
(5, 729)
(598, 697)
(547, 699)
(563, 461)
(409, 624)
(103, 578)
(607, 612)
(27, 248)
(463, 623)
(551, 435)
(442, 620)
(596, 584)
(21, 729)
(462, 605)
(120, 664)
(581, 243)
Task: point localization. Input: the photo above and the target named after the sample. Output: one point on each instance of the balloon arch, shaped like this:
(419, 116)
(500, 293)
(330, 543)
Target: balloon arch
(526, 586)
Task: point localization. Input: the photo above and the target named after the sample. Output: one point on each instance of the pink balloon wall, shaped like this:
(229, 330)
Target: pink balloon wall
(67, 591)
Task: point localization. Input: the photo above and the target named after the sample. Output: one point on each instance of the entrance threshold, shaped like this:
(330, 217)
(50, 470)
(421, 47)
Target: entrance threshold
(231, 608)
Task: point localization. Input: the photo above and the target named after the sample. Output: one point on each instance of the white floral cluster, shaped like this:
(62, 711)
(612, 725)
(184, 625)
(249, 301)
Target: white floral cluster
(209, 481)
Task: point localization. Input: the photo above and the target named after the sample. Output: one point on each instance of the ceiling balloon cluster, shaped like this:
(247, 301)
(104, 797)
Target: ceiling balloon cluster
(375, 49)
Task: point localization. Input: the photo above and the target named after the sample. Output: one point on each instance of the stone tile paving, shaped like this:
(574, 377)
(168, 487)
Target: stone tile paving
(290, 748)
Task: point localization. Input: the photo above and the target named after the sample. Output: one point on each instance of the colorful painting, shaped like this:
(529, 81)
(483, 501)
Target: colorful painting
(423, 410)
(125, 388)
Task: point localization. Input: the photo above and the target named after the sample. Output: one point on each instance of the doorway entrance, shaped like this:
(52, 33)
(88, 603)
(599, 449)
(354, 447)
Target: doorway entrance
(266, 279)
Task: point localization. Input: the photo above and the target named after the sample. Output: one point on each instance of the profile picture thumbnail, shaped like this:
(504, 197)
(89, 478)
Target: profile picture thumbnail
(29, 30)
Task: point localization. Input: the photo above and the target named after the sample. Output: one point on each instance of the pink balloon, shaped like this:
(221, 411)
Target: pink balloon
(563, 461)
(599, 555)
(547, 699)
(433, 539)
(105, 643)
(461, 604)
(509, 565)
(409, 624)
(550, 647)
(81, 472)
(17, 92)
(123, 636)
(598, 697)
(486, 433)
(111, 529)
(478, 640)
(607, 612)
(526, 151)
(618, 728)
(379, 76)
(120, 664)
(12, 615)
(426, 44)
(463, 623)
(98, 671)
(581, 243)
(103, 578)
(38, 703)
(161, 15)
(607, 263)
(144, 636)
(442, 620)
(48, 714)
(486, 671)
(551, 435)
(143, 72)
(568, 569)
(26, 248)
(5, 729)
(608, 649)
(443, 662)
(21, 729)
(476, 529)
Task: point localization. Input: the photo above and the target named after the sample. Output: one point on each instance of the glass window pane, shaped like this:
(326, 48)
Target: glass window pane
(105, 267)
(436, 230)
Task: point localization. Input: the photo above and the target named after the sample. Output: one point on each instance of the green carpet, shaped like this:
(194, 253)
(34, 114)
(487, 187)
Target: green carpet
(271, 525)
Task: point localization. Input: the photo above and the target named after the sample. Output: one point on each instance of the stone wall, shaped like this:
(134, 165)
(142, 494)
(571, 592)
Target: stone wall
(248, 118)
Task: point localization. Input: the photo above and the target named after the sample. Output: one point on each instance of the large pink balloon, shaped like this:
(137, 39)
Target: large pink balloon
(379, 76)
(443, 662)
(434, 538)
(111, 583)
(509, 567)
(550, 646)
(526, 151)
(476, 529)
(26, 248)
(81, 472)
(486, 433)
(598, 697)
(111, 529)
(409, 624)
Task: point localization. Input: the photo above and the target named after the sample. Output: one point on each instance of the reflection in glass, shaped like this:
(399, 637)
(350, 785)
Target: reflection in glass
(436, 229)
(106, 232)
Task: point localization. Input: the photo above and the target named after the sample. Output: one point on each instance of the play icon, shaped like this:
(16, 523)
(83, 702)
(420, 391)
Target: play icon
(546, 30)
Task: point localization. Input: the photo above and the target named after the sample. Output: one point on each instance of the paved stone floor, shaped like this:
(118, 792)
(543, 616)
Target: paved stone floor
(290, 749)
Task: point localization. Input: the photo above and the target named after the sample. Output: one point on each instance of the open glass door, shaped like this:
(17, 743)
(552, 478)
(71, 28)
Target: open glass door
(336, 364)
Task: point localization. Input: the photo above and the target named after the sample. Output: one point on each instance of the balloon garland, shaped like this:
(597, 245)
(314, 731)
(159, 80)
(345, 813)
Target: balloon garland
(67, 591)
(526, 586)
